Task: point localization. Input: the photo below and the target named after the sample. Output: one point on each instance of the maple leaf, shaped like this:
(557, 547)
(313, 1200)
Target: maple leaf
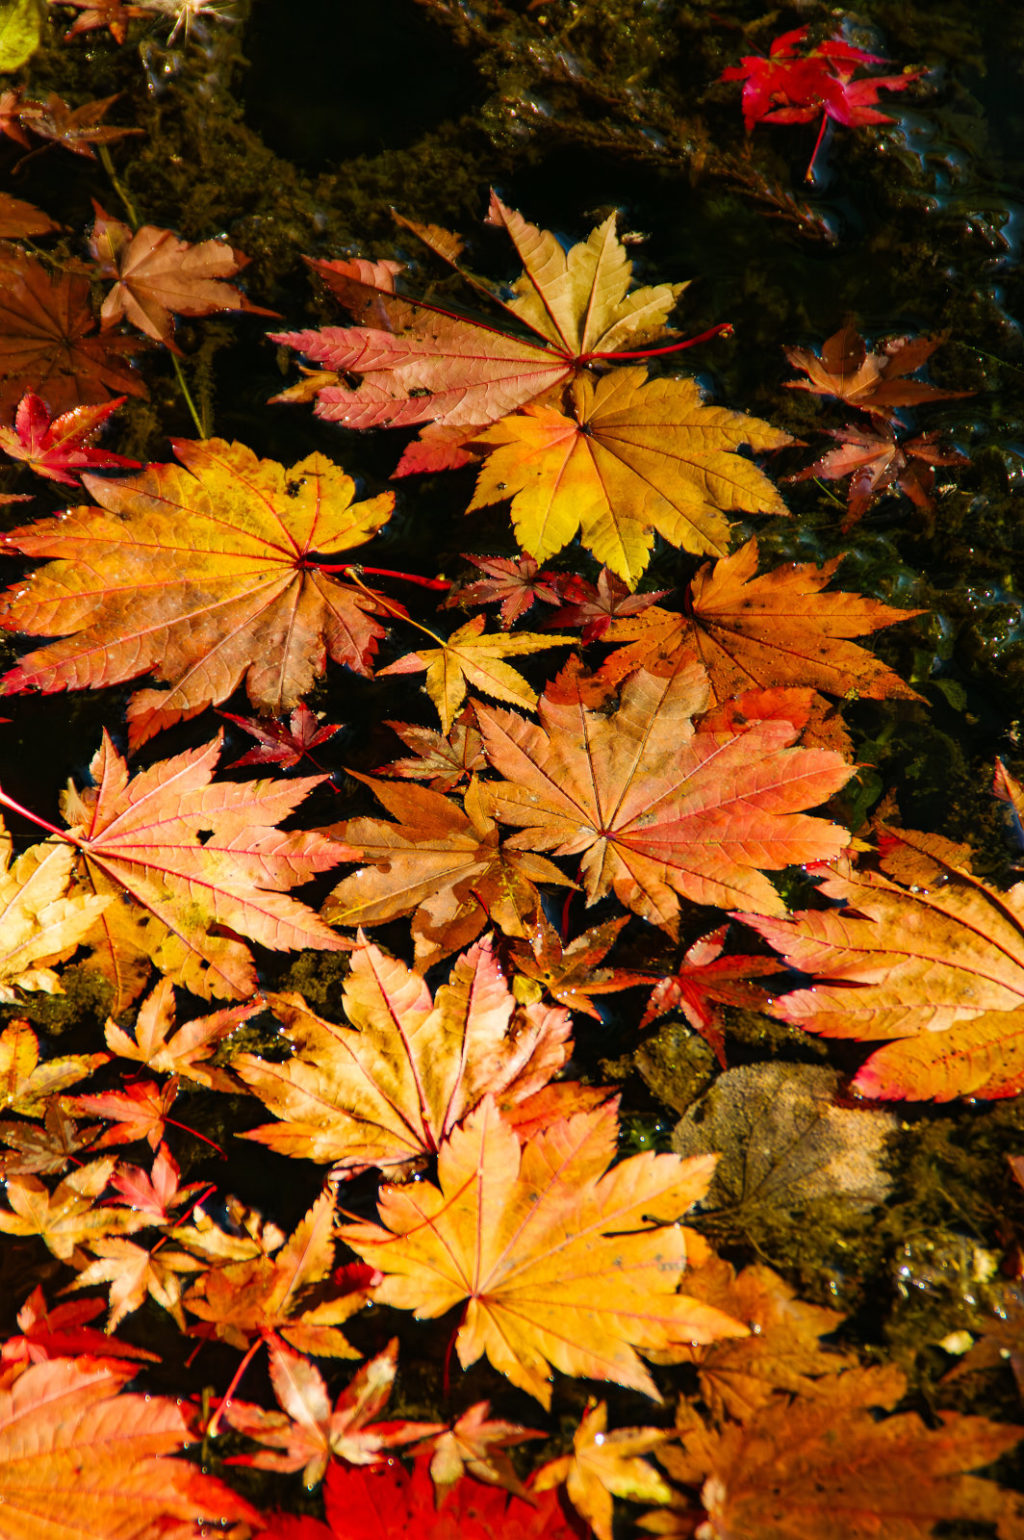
(570, 973)
(475, 1445)
(154, 1193)
(222, 546)
(181, 862)
(309, 1434)
(604, 1465)
(418, 364)
(937, 963)
(790, 87)
(68, 1217)
(380, 1502)
(62, 1333)
(573, 1267)
(812, 1467)
(81, 1459)
(635, 456)
(778, 628)
(656, 808)
(76, 128)
(1001, 1339)
(442, 760)
(158, 276)
(264, 1294)
(134, 1273)
(41, 922)
(873, 381)
(93, 15)
(46, 341)
(877, 461)
(444, 865)
(56, 447)
(138, 1112)
(18, 218)
(594, 607)
(470, 658)
(185, 1053)
(705, 978)
(44, 1149)
(283, 743)
(515, 583)
(390, 1086)
(25, 1084)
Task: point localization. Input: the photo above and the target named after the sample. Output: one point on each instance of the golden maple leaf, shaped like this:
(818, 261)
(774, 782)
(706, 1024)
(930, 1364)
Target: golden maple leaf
(560, 1261)
(186, 1051)
(69, 1216)
(25, 1084)
(633, 456)
(391, 1085)
(41, 920)
(604, 1465)
(201, 574)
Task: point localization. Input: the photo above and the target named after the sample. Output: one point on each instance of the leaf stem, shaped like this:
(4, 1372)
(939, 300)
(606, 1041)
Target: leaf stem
(439, 584)
(201, 427)
(395, 610)
(16, 807)
(107, 162)
(724, 328)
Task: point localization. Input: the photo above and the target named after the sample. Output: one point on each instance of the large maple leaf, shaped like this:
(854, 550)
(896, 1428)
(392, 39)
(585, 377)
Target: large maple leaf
(657, 808)
(444, 864)
(187, 865)
(418, 364)
(920, 951)
(80, 1459)
(203, 574)
(48, 339)
(632, 456)
(561, 1262)
(392, 1084)
(779, 628)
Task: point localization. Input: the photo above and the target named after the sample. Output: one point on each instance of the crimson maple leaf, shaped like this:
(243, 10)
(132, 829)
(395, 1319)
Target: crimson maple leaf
(703, 978)
(63, 1332)
(59, 447)
(283, 743)
(514, 582)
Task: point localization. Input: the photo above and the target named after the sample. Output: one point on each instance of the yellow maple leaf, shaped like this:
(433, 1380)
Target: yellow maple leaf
(470, 658)
(41, 922)
(25, 1084)
(631, 456)
(69, 1216)
(604, 1465)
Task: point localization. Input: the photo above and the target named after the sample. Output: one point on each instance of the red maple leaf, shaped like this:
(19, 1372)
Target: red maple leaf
(283, 743)
(513, 582)
(704, 978)
(62, 1333)
(58, 447)
(790, 87)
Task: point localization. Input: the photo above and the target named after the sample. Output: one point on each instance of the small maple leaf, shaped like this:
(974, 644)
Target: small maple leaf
(307, 1434)
(633, 456)
(45, 1149)
(560, 1261)
(515, 583)
(68, 1416)
(93, 15)
(138, 1112)
(1000, 1342)
(876, 460)
(223, 547)
(873, 381)
(187, 867)
(778, 628)
(18, 218)
(568, 973)
(594, 607)
(135, 1272)
(77, 129)
(157, 1192)
(158, 276)
(604, 1465)
(793, 87)
(69, 1216)
(475, 1445)
(704, 978)
(657, 808)
(441, 760)
(58, 447)
(470, 658)
(265, 1295)
(26, 1085)
(185, 1053)
(417, 364)
(283, 743)
(47, 343)
(390, 1086)
(444, 864)
(62, 1333)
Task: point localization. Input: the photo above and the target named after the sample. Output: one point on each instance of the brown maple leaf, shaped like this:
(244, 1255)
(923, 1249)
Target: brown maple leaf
(568, 973)
(442, 760)
(873, 381)
(779, 628)
(444, 864)
(18, 219)
(876, 461)
(75, 128)
(657, 809)
(559, 1262)
(81, 1459)
(47, 341)
(47, 1148)
(157, 276)
(223, 549)
(387, 1088)
(188, 865)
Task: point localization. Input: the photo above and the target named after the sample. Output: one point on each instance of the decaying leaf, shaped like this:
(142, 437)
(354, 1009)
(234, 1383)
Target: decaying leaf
(561, 1263)
(390, 1086)
(203, 575)
(876, 460)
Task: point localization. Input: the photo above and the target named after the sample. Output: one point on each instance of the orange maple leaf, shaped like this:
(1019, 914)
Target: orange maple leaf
(390, 1086)
(188, 866)
(604, 1465)
(560, 1261)
(222, 549)
(80, 1460)
(657, 808)
(185, 1053)
(872, 381)
(778, 628)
